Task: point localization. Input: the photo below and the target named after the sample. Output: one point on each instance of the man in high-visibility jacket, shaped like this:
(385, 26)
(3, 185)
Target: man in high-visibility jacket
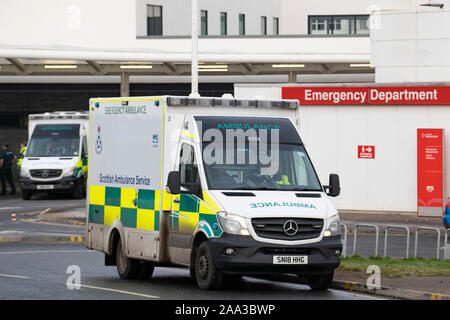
(22, 151)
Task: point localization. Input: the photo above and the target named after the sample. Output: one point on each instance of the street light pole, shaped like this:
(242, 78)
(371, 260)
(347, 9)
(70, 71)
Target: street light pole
(194, 44)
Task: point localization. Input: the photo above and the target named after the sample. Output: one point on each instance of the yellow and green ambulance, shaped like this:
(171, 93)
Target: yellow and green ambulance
(221, 186)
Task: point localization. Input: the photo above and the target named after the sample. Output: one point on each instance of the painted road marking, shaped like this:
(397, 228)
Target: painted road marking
(10, 208)
(54, 251)
(120, 291)
(13, 276)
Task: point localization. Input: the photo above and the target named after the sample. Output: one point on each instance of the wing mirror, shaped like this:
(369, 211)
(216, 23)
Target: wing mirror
(334, 187)
(174, 182)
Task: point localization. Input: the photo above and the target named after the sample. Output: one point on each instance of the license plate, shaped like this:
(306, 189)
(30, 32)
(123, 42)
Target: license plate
(290, 259)
(45, 186)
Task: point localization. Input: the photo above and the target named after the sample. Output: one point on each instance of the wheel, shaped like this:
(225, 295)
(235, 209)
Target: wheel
(126, 268)
(320, 282)
(78, 193)
(146, 270)
(26, 195)
(207, 275)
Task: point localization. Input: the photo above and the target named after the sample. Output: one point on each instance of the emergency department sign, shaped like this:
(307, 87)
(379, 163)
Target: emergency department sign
(430, 172)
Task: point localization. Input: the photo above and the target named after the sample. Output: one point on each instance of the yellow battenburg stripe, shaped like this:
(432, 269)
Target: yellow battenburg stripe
(97, 195)
(145, 219)
(208, 200)
(167, 201)
(128, 197)
(111, 214)
(187, 221)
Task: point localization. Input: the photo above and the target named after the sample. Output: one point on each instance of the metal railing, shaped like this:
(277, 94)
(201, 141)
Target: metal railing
(445, 244)
(377, 234)
(344, 241)
(386, 238)
(437, 243)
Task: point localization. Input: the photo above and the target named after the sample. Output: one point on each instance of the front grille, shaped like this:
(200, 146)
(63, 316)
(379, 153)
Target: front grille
(45, 173)
(273, 228)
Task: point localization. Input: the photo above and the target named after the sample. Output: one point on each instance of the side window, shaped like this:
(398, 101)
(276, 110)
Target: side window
(188, 165)
(84, 147)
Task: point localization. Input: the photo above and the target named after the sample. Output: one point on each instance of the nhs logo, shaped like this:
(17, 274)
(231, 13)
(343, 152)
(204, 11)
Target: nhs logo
(155, 140)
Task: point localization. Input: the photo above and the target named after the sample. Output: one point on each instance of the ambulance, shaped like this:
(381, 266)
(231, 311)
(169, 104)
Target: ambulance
(57, 154)
(222, 186)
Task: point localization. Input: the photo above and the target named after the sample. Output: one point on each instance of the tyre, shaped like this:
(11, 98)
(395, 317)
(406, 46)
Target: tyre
(146, 270)
(78, 193)
(26, 195)
(320, 282)
(126, 268)
(207, 276)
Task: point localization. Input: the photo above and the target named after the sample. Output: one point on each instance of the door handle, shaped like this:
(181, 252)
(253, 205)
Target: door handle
(176, 200)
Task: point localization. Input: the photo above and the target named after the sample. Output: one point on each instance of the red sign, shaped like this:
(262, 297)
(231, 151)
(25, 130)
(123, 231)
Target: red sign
(418, 95)
(430, 172)
(366, 152)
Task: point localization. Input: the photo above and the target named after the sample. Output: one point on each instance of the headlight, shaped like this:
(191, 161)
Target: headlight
(24, 172)
(332, 226)
(233, 224)
(69, 172)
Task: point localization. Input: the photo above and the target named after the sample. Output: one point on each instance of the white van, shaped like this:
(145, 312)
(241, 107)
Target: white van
(57, 154)
(221, 186)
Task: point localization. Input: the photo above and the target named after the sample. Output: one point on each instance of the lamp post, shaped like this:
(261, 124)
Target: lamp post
(194, 50)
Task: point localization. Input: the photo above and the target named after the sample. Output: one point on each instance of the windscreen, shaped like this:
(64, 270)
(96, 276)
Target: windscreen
(54, 141)
(255, 154)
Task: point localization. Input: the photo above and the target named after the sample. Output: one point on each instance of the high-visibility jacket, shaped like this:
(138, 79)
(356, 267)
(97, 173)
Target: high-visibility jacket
(21, 155)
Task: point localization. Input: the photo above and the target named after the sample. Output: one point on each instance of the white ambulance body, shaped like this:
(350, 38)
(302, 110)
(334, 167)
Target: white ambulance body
(57, 154)
(166, 190)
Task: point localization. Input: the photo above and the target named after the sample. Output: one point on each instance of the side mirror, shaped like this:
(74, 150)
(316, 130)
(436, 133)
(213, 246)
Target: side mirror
(334, 187)
(174, 182)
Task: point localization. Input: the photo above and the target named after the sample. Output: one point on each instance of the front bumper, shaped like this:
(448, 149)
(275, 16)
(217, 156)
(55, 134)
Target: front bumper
(64, 184)
(255, 257)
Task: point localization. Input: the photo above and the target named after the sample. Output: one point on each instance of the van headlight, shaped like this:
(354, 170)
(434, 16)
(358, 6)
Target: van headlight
(69, 172)
(232, 223)
(24, 172)
(332, 226)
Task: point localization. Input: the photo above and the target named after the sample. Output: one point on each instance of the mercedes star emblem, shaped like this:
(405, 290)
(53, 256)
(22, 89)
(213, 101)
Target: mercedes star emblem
(44, 173)
(290, 227)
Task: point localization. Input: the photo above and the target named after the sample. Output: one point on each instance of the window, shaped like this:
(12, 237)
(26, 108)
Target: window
(263, 25)
(188, 165)
(276, 26)
(204, 23)
(223, 23)
(241, 24)
(338, 24)
(154, 20)
(362, 25)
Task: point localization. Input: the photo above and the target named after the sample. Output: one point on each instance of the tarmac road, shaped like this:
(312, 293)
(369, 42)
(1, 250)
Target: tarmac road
(39, 271)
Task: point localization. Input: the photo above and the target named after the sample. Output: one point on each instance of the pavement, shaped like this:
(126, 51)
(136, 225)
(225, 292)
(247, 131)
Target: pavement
(420, 287)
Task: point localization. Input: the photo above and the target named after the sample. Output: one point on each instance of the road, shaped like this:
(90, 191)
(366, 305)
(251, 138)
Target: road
(39, 271)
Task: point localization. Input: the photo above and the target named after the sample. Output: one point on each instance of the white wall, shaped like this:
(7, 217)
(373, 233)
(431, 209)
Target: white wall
(412, 46)
(332, 134)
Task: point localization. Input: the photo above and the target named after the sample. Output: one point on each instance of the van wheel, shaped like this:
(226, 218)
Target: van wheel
(146, 270)
(207, 275)
(126, 268)
(320, 282)
(26, 195)
(78, 193)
